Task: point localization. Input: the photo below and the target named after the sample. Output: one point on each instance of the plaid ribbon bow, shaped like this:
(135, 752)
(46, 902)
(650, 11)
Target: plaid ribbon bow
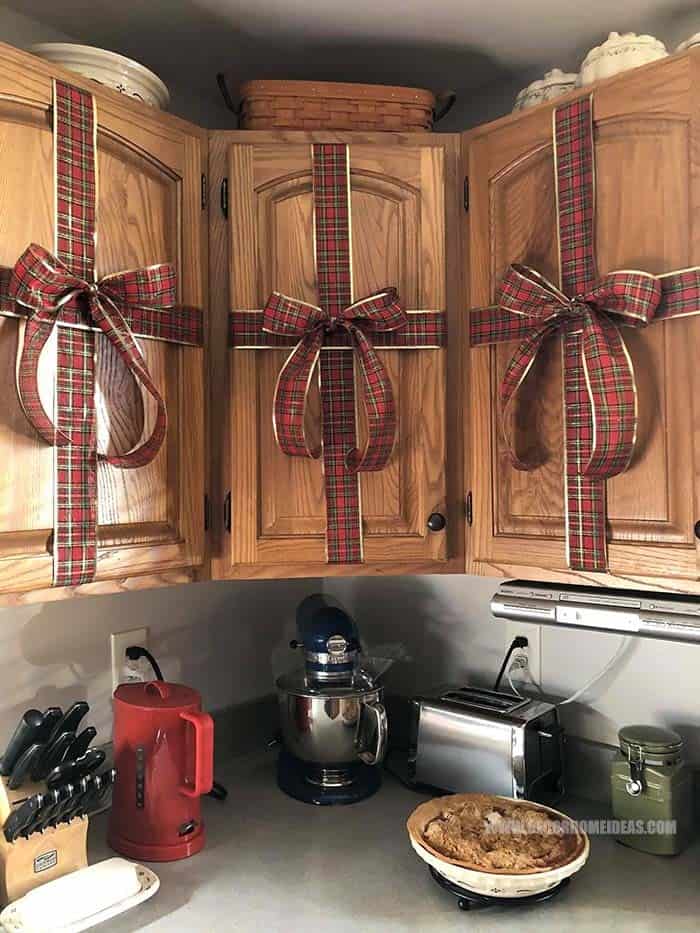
(45, 286)
(289, 317)
(46, 291)
(600, 394)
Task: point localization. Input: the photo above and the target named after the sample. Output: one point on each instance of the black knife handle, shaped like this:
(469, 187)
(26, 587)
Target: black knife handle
(52, 716)
(53, 755)
(22, 737)
(24, 764)
(55, 802)
(82, 743)
(22, 817)
(71, 719)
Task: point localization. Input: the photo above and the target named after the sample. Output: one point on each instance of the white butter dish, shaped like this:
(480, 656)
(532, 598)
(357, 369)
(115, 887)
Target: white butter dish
(81, 899)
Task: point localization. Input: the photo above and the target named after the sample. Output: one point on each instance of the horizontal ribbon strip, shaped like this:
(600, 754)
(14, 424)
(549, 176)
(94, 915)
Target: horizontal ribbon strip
(600, 394)
(422, 330)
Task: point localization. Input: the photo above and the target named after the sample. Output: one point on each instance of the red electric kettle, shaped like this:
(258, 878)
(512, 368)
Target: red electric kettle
(164, 756)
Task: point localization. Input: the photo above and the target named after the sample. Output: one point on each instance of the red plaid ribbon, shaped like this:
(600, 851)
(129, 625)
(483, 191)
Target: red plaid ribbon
(48, 290)
(325, 333)
(600, 394)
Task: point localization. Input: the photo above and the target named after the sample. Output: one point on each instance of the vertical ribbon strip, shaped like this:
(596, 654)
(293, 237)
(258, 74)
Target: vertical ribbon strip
(48, 290)
(599, 391)
(325, 333)
(75, 484)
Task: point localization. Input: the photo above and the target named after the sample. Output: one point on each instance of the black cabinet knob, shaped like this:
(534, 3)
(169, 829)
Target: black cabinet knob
(697, 529)
(436, 521)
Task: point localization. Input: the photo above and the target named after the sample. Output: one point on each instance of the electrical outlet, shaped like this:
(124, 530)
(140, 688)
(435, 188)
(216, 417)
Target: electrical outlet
(124, 670)
(532, 653)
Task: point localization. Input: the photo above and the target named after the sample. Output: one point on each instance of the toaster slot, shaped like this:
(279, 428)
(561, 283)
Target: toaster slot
(484, 699)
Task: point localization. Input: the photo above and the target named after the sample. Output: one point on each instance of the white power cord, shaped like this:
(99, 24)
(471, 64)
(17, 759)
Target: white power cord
(516, 666)
(624, 641)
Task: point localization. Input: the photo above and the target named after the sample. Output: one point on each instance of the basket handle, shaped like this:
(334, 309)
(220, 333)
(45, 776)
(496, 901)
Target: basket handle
(444, 102)
(228, 100)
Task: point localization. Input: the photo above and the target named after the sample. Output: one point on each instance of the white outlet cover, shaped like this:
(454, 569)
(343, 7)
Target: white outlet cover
(533, 633)
(119, 642)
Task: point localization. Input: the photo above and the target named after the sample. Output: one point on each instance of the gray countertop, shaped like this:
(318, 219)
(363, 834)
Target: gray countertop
(274, 864)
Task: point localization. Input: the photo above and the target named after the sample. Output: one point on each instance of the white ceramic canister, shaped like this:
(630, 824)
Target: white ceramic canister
(619, 53)
(555, 83)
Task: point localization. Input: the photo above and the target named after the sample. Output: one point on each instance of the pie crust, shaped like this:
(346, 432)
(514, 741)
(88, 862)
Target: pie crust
(483, 832)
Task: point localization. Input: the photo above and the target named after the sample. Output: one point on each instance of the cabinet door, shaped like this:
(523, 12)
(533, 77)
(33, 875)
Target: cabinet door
(149, 211)
(399, 238)
(647, 198)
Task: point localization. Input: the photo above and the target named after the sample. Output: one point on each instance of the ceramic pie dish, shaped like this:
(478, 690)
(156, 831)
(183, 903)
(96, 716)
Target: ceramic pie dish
(494, 882)
(109, 68)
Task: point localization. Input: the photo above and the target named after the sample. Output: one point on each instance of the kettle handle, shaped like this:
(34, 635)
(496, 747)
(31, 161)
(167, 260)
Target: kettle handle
(203, 726)
(382, 726)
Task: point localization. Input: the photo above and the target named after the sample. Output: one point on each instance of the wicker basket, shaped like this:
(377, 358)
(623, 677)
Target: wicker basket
(325, 105)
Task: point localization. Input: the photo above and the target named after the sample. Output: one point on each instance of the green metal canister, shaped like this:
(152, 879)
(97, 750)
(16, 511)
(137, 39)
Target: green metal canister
(652, 790)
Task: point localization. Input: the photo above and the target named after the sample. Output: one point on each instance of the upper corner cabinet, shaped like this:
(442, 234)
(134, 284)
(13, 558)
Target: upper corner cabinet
(627, 198)
(341, 450)
(117, 501)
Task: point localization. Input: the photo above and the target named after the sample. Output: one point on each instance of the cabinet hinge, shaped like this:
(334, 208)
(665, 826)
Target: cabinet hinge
(224, 197)
(468, 508)
(466, 193)
(205, 197)
(227, 512)
(207, 512)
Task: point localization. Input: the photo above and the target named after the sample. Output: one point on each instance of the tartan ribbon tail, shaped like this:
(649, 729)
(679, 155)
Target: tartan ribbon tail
(108, 318)
(291, 396)
(513, 380)
(378, 400)
(612, 395)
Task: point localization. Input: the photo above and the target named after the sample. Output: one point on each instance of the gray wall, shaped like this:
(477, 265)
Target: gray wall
(448, 631)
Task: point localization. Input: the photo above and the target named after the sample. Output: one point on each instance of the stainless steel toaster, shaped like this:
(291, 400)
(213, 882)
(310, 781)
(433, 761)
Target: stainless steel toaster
(467, 739)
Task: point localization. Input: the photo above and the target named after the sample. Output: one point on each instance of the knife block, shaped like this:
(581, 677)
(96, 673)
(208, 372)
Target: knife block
(27, 863)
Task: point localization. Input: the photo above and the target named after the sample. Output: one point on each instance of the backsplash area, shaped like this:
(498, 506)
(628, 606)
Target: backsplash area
(215, 637)
(446, 626)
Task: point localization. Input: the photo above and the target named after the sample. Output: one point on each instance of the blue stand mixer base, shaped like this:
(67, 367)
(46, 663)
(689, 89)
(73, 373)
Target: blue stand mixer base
(293, 778)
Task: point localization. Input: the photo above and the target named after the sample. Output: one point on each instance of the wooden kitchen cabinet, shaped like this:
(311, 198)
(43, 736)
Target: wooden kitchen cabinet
(150, 165)
(647, 147)
(404, 210)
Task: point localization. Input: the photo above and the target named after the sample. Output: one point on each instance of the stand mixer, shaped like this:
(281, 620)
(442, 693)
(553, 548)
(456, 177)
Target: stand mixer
(334, 725)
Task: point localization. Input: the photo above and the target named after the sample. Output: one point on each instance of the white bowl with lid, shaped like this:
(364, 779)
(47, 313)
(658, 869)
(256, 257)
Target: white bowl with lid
(619, 53)
(109, 68)
(555, 83)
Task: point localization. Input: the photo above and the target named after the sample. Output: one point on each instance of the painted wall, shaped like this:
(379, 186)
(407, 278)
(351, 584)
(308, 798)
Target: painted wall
(450, 635)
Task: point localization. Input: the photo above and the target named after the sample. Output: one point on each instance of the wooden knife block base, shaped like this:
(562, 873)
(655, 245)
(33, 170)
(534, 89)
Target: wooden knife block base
(27, 863)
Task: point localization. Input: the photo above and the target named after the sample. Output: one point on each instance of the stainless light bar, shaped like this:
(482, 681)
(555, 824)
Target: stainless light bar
(653, 615)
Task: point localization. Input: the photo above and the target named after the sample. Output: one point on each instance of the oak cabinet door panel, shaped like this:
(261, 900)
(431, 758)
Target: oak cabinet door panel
(399, 191)
(149, 170)
(646, 183)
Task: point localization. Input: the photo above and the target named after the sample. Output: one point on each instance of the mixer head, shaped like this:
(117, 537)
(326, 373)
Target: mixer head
(329, 639)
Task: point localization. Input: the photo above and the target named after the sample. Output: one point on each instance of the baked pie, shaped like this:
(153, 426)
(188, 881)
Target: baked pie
(495, 834)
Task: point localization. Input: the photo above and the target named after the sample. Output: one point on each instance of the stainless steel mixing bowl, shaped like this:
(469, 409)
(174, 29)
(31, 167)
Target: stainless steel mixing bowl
(333, 725)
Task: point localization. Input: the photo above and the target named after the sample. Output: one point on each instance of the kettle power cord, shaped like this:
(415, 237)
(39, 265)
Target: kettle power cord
(134, 653)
